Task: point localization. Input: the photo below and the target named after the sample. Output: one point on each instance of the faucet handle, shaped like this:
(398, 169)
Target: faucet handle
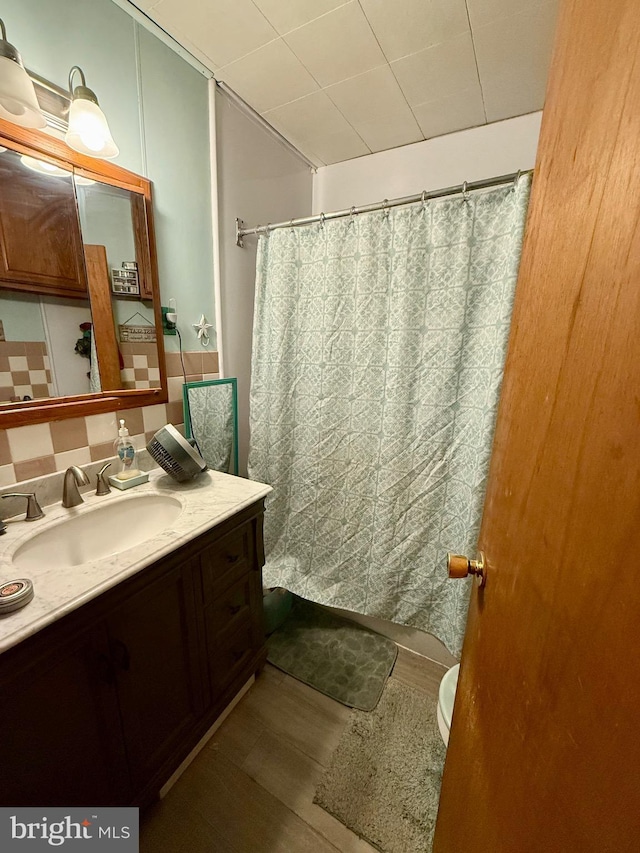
(103, 487)
(34, 510)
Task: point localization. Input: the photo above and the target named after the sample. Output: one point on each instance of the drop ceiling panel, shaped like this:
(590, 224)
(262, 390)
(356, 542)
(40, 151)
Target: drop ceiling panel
(338, 45)
(287, 16)
(455, 112)
(484, 11)
(379, 136)
(372, 96)
(513, 54)
(512, 95)
(441, 70)
(520, 42)
(408, 26)
(269, 77)
(223, 30)
(342, 78)
(374, 104)
(336, 147)
(301, 119)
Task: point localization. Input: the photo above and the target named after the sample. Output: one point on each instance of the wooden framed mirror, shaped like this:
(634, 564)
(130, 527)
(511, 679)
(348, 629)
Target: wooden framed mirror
(80, 315)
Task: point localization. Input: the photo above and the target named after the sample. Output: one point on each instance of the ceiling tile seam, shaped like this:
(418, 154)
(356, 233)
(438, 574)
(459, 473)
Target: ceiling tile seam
(313, 20)
(264, 17)
(255, 50)
(366, 145)
(299, 58)
(475, 59)
(375, 35)
(172, 41)
(533, 7)
(324, 88)
(320, 87)
(181, 37)
(324, 91)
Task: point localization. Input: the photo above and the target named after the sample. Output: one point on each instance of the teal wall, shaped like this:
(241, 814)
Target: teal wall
(157, 107)
(21, 316)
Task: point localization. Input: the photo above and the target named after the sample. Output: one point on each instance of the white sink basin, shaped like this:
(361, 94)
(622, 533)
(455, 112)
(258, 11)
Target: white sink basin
(98, 532)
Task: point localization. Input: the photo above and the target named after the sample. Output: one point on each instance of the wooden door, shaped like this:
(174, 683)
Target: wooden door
(544, 752)
(104, 330)
(155, 652)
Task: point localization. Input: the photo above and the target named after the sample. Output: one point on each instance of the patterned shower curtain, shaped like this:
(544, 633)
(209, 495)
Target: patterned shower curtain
(378, 352)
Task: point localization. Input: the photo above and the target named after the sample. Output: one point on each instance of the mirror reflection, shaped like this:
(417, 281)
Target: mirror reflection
(76, 310)
(37, 347)
(113, 227)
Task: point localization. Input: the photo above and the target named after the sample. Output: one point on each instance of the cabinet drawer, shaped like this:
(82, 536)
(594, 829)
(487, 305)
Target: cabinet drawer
(231, 607)
(227, 559)
(228, 659)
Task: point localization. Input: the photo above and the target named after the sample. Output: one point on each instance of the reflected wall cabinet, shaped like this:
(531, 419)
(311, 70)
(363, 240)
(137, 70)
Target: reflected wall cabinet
(40, 241)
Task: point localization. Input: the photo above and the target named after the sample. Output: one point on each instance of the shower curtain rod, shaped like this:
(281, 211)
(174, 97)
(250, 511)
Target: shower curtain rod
(463, 188)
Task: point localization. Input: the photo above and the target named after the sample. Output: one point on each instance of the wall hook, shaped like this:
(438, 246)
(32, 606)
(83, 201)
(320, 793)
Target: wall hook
(202, 328)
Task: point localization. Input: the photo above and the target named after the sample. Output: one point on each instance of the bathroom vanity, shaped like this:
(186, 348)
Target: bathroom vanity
(120, 665)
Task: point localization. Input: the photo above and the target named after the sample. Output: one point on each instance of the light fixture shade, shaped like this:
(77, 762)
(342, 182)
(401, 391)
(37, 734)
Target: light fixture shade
(89, 131)
(18, 102)
(44, 167)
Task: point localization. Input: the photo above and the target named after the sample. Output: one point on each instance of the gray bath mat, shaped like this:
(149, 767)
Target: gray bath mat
(384, 778)
(336, 656)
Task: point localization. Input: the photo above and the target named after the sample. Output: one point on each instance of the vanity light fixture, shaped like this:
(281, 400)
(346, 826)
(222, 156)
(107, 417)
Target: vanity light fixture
(18, 102)
(88, 130)
(44, 167)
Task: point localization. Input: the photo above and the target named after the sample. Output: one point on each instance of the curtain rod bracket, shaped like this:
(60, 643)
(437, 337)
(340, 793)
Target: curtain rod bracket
(239, 227)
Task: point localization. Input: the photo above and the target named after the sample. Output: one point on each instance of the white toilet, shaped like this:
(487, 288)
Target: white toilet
(446, 698)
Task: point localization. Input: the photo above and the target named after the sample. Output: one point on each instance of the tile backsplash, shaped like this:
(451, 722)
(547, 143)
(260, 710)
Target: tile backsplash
(27, 452)
(24, 370)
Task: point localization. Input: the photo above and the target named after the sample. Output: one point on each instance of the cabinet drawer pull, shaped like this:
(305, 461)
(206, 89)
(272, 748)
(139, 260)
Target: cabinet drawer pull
(234, 608)
(120, 654)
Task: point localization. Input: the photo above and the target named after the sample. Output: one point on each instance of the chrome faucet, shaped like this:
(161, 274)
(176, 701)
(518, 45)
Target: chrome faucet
(73, 477)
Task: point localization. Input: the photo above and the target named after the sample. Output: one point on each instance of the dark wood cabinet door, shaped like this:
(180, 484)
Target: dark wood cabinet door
(62, 742)
(153, 644)
(40, 241)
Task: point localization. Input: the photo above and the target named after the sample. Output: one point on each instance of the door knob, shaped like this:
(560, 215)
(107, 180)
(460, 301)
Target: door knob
(460, 567)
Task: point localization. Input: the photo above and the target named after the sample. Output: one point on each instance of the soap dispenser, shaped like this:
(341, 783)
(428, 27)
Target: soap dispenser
(126, 453)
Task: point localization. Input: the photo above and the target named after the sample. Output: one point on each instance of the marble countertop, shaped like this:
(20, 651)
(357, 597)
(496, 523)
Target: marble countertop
(206, 502)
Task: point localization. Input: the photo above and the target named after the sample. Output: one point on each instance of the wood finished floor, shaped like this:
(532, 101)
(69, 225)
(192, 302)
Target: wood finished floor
(251, 788)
